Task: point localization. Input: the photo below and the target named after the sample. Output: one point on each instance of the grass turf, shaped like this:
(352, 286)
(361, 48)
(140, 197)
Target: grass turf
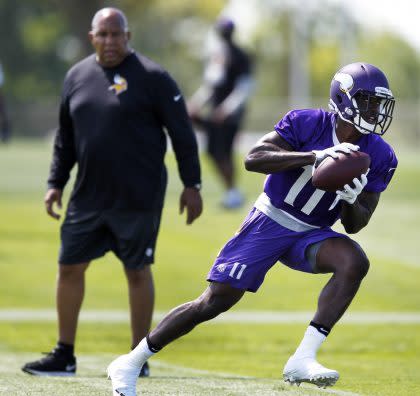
(372, 359)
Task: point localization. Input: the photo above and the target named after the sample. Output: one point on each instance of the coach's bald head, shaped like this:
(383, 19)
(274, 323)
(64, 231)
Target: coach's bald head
(109, 12)
(109, 36)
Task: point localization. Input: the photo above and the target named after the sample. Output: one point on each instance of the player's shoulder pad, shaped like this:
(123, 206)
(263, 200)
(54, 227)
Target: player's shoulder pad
(306, 119)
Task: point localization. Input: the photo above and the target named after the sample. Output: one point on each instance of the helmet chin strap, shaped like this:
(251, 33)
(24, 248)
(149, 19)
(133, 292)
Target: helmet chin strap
(355, 123)
(362, 126)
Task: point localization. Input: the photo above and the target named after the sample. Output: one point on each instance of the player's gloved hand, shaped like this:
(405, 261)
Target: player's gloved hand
(350, 194)
(332, 152)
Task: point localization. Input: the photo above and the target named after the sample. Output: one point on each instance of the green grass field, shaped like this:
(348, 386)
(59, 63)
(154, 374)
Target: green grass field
(217, 358)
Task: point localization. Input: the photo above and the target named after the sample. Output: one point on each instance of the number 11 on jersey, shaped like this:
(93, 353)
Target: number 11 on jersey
(297, 187)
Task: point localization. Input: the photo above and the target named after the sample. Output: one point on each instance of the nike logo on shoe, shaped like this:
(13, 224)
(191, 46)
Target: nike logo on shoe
(177, 97)
(120, 393)
(70, 367)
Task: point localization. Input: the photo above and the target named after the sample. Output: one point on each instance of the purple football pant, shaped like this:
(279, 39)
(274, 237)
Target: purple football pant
(258, 245)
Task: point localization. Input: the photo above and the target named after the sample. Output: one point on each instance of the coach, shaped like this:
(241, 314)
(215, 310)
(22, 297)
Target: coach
(114, 108)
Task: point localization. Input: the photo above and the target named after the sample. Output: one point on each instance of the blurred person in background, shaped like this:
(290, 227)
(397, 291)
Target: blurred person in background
(115, 105)
(4, 119)
(291, 223)
(227, 85)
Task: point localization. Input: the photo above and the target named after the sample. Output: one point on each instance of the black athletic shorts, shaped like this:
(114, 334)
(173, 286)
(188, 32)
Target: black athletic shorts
(131, 235)
(221, 137)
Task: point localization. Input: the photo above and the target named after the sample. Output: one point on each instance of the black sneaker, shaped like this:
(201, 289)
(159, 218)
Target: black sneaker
(56, 363)
(145, 371)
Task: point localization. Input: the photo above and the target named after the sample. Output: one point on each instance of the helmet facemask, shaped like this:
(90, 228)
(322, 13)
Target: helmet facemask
(373, 111)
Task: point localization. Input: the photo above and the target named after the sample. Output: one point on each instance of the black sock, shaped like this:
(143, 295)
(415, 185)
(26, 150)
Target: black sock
(321, 328)
(67, 349)
(153, 348)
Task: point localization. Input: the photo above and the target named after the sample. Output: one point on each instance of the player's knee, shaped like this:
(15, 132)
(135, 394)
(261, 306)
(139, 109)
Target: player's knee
(210, 308)
(357, 267)
(345, 258)
(211, 305)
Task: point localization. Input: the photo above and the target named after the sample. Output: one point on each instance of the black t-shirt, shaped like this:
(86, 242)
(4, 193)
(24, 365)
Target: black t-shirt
(237, 64)
(112, 125)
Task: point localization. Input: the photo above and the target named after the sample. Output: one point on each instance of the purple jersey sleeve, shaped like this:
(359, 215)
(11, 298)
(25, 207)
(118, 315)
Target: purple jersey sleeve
(298, 127)
(285, 129)
(383, 163)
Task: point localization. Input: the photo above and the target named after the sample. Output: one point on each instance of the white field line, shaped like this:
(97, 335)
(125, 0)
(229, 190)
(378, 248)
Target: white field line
(262, 317)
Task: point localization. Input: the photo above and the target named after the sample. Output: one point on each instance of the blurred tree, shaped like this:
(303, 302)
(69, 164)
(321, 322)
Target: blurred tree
(78, 16)
(396, 58)
(41, 39)
(31, 30)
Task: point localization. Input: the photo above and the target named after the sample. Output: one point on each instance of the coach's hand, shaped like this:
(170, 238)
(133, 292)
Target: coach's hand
(53, 195)
(191, 199)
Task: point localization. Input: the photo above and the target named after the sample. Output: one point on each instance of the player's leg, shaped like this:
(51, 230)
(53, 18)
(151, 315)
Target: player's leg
(215, 151)
(348, 263)
(241, 265)
(216, 299)
(221, 142)
(82, 240)
(233, 197)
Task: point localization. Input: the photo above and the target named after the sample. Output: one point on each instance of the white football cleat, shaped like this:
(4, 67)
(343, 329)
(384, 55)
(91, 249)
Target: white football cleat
(309, 370)
(123, 376)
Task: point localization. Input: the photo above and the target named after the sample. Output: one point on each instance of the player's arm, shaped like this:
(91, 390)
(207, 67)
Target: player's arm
(273, 154)
(244, 86)
(356, 216)
(199, 99)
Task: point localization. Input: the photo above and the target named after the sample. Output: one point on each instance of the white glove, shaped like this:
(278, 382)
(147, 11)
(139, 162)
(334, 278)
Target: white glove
(332, 152)
(350, 194)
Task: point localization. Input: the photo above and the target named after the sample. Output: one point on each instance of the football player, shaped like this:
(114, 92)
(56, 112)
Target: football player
(226, 89)
(291, 222)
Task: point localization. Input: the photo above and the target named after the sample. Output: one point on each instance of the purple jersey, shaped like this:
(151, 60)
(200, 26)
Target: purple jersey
(292, 214)
(292, 190)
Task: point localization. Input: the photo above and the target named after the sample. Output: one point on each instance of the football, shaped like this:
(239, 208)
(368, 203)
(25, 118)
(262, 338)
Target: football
(334, 173)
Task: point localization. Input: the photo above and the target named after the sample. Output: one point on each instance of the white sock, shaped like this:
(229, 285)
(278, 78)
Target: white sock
(138, 356)
(310, 343)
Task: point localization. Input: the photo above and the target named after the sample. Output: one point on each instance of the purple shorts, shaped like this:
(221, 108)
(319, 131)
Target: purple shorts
(258, 245)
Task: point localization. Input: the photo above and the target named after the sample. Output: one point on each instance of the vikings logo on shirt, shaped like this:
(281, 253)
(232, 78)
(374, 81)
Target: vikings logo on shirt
(120, 85)
(221, 267)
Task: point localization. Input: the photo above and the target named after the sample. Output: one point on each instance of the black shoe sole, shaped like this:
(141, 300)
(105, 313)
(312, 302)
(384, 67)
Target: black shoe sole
(49, 373)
